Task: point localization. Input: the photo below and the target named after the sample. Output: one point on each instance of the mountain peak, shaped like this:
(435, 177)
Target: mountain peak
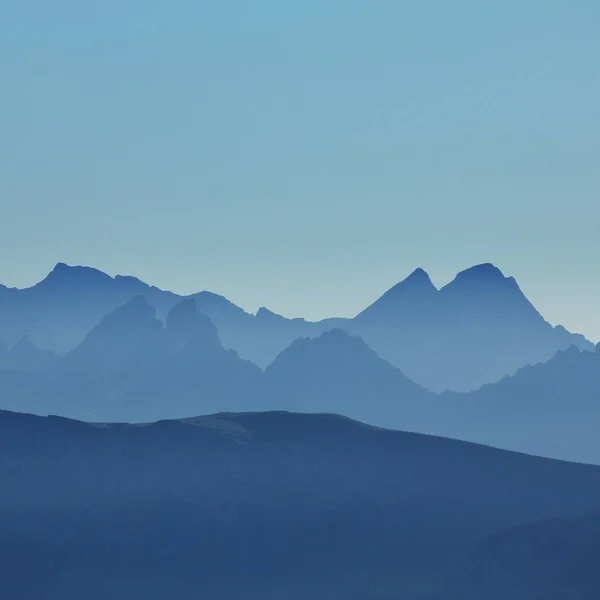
(67, 274)
(418, 276)
(183, 311)
(264, 313)
(138, 310)
(418, 282)
(25, 356)
(412, 291)
(131, 333)
(185, 317)
(482, 272)
(333, 346)
(186, 325)
(339, 336)
(23, 344)
(482, 278)
(61, 267)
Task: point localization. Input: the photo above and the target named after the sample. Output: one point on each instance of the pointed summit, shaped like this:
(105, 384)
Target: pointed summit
(183, 315)
(130, 334)
(264, 314)
(22, 346)
(134, 312)
(331, 346)
(187, 326)
(61, 267)
(413, 292)
(334, 351)
(25, 356)
(418, 277)
(418, 283)
(338, 372)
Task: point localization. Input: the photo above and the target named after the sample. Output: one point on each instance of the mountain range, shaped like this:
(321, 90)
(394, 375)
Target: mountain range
(125, 492)
(280, 505)
(133, 367)
(473, 331)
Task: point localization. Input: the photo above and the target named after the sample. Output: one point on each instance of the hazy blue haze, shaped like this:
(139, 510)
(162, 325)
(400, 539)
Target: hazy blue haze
(304, 155)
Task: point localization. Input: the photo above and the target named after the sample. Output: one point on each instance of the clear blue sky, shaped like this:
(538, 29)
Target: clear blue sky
(304, 155)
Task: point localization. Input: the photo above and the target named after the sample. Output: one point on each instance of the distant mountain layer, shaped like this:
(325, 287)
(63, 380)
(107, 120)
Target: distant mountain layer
(473, 331)
(271, 505)
(134, 367)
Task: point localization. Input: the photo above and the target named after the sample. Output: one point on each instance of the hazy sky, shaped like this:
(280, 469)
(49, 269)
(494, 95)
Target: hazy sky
(304, 155)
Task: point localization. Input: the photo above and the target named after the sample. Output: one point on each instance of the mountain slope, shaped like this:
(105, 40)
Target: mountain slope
(25, 357)
(406, 300)
(132, 367)
(475, 330)
(234, 504)
(137, 369)
(123, 339)
(59, 311)
(551, 559)
(552, 409)
(339, 373)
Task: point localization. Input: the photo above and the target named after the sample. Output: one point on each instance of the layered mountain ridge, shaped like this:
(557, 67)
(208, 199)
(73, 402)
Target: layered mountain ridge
(134, 367)
(473, 331)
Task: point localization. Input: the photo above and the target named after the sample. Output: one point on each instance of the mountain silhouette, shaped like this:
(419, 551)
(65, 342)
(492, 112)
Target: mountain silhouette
(412, 296)
(189, 330)
(25, 357)
(339, 373)
(132, 367)
(77, 277)
(551, 409)
(59, 311)
(482, 292)
(480, 327)
(123, 339)
(475, 330)
(233, 504)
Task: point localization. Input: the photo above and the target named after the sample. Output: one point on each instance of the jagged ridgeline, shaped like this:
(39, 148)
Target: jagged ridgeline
(475, 330)
(146, 354)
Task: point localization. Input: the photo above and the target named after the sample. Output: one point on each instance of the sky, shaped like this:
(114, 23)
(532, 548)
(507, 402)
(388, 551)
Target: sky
(304, 155)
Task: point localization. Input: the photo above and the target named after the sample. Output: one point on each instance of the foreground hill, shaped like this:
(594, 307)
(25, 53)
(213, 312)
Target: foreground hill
(268, 505)
(475, 330)
(551, 559)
